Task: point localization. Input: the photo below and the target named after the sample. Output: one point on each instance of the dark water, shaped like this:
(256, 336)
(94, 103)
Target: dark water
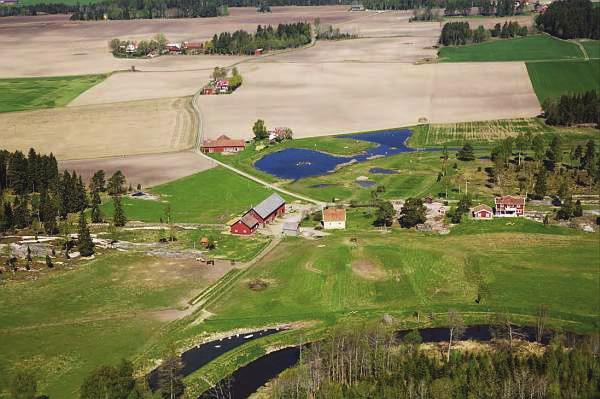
(246, 380)
(297, 163)
(201, 355)
(382, 171)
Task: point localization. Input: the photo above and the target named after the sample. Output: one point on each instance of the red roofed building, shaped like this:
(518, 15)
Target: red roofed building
(269, 209)
(482, 212)
(223, 144)
(334, 218)
(509, 206)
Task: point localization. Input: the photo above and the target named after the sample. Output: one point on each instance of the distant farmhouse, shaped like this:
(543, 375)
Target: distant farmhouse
(334, 218)
(262, 214)
(223, 144)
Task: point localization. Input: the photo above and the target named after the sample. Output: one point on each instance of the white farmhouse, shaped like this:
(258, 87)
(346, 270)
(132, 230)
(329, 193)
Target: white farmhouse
(334, 218)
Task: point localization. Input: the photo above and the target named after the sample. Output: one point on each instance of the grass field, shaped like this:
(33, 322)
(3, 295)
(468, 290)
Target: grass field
(212, 196)
(592, 47)
(65, 324)
(552, 79)
(33, 93)
(530, 48)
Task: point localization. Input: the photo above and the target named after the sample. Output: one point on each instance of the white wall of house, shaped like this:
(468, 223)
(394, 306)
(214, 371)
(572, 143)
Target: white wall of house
(334, 225)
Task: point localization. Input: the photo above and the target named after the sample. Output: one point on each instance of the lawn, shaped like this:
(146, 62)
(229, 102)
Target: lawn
(552, 79)
(33, 93)
(592, 48)
(213, 196)
(530, 48)
(514, 270)
(66, 323)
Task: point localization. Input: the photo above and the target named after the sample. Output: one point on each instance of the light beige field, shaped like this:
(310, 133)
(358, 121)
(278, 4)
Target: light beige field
(54, 46)
(147, 170)
(332, 98)
(139, 127)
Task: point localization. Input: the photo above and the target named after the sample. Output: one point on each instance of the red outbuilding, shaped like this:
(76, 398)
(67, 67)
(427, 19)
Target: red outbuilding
(246, 225)
(269, 209)
(223, 144)
(482, 212)
(508, 206)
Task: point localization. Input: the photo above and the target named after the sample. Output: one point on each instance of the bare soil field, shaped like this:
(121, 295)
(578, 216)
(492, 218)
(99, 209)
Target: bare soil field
(147, 170)
(54, 46)
(324, 99)
(138, 127)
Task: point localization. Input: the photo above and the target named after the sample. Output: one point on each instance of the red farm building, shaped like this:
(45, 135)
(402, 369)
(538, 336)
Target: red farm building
(482, 212)
(223, 144)
(246, 225)
(509, 206)
(263, 213)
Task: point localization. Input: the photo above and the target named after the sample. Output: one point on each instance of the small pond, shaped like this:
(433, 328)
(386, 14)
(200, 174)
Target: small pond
(382, 171)
(365, 183)
(297, 163)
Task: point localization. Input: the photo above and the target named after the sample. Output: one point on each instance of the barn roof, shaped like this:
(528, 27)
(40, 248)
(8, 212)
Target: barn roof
(224, 141)
(249, 220)
(269, 205)
(509, 200)
(334, 215)
(482, 207)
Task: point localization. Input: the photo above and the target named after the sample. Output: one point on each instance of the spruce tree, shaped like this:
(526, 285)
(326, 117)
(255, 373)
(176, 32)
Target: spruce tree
(466, 153)
(7, 217)
(578, 210)
(96, 212)
(119, 218)
(21, 212)
(85, 246)
(540, 184)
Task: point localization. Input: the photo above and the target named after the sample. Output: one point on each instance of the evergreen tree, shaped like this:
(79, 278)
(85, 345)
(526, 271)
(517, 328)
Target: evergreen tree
(18, 173)
(85, 246)
(566, 210)
(540, 184)
(21, 212)
(554, 153)
(116, 183)
(259, 130)
(8, 220)
(466, 153)
(578, 209)
(588, 159)
(98, 181)
(170, 379)
(537, 146)
(384, 216)
(23, 385)
(113, 382)
(119, 218)
(49, 262)
(96, 212)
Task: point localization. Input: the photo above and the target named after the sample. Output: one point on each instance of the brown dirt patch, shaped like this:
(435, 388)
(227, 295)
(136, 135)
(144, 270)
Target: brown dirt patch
(137, 127)
(368, 270)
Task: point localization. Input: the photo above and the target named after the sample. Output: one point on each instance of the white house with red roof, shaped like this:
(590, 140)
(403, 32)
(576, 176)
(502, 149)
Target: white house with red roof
(509, 206)
(223, 144)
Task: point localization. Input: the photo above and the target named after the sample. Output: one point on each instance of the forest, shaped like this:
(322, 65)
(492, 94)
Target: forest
(460, 33)
(375, 363)
(266, 38)
(573, 109)
(131, 9)
(571, 19)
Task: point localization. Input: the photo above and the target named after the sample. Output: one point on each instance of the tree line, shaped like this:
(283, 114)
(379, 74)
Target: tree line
(460, 33)
(373, 362)
(41, 196)
(573, 109)
(266, 38)
(571, 19)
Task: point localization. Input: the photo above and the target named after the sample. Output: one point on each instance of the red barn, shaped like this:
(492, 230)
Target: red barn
(246, 225)
(223, 144)
(482, 212)
(269, 209)
(509, 206)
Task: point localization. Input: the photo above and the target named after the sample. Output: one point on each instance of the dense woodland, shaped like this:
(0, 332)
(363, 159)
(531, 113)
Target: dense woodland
(460, 33)
(266, 38)
(572, 109)
(133, 9)
(571, 19)
(373, 363)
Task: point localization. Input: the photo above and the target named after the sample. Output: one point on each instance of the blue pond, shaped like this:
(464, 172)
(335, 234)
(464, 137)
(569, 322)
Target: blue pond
(296, 163)
(382, 171)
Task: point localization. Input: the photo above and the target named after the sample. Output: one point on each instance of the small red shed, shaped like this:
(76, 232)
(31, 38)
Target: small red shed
(482, 212)
(246, 225)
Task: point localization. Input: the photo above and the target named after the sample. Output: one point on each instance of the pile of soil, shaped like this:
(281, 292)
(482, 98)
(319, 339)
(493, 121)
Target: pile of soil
(257, 285)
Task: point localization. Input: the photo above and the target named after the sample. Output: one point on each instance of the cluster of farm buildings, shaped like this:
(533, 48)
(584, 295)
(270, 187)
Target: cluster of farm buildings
(226, 145)
(505, 206)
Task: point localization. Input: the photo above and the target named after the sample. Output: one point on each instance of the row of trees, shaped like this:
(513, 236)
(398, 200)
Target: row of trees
(572, 109)
(266, 38)
(156, 45)
(149, 9)
(371, 362)
(460, 33)
(571, 19)
(499, 8)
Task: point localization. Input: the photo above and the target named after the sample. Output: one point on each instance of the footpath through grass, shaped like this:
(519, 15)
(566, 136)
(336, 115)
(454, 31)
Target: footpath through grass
(553, 79)
(22, 94)
(213, 196)
(592, 48)
(530, 48)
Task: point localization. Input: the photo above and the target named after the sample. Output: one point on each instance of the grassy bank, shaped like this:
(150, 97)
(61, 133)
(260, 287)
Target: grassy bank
(530, 48)
(553, 79)
(32, 93)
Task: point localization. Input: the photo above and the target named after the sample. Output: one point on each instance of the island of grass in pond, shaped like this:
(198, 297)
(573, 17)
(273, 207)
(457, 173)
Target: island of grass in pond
(297, 163)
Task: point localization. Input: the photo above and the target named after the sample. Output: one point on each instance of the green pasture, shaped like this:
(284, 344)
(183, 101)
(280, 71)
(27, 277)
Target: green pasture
(553, 79)
(592, 47)
(93, 313)
(530, 48)
(21, 94)
(213, 196)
